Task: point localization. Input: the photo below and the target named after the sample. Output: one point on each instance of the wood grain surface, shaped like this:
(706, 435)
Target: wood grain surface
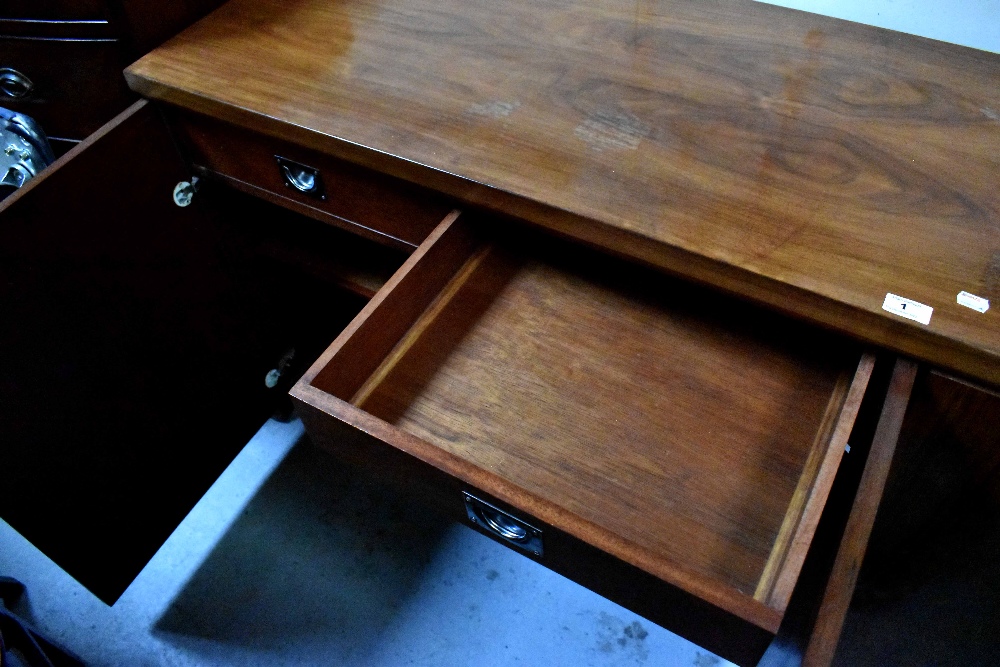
(809, 501)
(802, 161)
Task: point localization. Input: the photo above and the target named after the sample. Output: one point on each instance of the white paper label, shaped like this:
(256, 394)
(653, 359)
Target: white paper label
(912, 310)
(977, 303)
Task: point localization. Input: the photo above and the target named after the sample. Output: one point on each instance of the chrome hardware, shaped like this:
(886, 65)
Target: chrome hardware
(13, 84)
(301, 177)
(502, 525)
(15, 177)
(24, 151)
(274, 375)
(184, 192)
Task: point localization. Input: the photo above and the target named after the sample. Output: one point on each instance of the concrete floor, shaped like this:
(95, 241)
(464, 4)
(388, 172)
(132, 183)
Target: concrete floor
(288, 561)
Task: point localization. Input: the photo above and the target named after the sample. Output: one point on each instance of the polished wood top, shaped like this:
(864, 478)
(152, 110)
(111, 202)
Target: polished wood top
(804, 162)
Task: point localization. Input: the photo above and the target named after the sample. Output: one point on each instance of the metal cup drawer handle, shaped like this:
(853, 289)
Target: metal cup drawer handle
(13, 84)
(503, 525)
(301, 177)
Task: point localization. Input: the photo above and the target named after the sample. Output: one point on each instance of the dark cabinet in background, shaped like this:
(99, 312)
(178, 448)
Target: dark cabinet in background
(61, 62)
(137, 337)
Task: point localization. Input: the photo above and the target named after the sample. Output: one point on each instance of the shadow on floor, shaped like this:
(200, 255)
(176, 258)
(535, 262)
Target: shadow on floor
(316, 555)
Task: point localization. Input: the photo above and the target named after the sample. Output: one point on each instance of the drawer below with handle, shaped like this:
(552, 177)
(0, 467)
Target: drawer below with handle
(626, 429)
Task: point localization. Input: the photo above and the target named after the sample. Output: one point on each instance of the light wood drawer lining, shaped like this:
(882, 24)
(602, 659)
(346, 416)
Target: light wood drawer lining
(678, 424)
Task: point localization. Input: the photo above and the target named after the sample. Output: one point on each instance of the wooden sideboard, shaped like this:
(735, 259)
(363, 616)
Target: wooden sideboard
(616, 277)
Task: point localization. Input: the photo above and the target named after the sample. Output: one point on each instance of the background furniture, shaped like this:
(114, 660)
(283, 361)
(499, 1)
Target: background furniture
(61, 60)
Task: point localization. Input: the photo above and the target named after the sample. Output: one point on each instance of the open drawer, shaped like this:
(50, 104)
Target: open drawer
(664, 445)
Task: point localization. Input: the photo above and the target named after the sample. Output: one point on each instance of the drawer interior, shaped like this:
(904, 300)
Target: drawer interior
(689, 433)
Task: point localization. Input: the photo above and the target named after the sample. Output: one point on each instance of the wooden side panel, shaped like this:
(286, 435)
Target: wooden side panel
(949, 461)
(361, 347)
(930, 565)
(840, 588)
(802, 519)
(134, 343)
(960, 417)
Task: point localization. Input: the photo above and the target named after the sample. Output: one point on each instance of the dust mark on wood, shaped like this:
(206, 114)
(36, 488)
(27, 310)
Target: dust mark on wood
(991, 277)
(612, 130)
(496, 109)
(991, 114)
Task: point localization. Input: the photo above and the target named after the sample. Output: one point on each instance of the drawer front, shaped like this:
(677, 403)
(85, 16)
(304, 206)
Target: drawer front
(686, 436)
(71, 87)
(54, 10)
(624, 584)
(383, 208)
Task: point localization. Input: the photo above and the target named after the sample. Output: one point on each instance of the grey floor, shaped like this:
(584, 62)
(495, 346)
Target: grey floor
(287, 560)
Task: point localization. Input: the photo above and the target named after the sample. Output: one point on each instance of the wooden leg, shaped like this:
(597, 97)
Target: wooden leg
(840, 587)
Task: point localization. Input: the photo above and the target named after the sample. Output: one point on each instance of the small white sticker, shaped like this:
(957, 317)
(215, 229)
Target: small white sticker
(976, 303)
(912, 310)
